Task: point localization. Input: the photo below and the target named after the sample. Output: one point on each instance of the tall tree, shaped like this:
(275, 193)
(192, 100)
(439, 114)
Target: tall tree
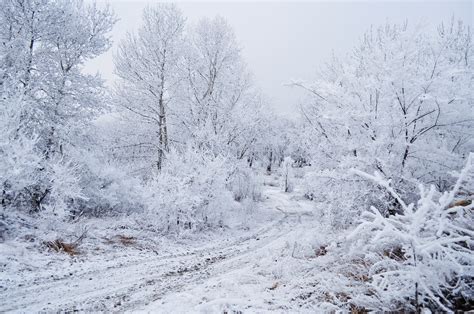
(222, 106)
(146, 63)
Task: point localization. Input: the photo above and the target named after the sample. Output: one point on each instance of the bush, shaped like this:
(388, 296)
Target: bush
(30, 183)
(423, 256)
(340, 195)
(190, 192)
(106, 190)
(244, 183)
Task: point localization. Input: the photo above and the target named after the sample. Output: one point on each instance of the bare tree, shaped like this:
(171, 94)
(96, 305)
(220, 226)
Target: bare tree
(146, 63)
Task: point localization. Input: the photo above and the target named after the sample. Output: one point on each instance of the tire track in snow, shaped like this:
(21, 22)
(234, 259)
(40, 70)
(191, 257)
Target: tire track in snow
(131, 285)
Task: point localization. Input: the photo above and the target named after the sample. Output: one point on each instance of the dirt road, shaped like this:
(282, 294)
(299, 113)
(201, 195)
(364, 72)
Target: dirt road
(153, 283)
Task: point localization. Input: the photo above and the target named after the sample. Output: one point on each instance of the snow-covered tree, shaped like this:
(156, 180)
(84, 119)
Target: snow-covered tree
(45, 44)
(400, 104)
(399, 88)
(183, 86)
(45, 98)
(221, 109)
(147, 64)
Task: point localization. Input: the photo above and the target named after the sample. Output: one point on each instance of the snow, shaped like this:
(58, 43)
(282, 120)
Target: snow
(256, 279)
(231, 269)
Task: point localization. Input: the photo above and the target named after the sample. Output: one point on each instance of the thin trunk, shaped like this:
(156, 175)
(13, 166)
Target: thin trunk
(163, 129)
(417, 304)
(31, 47)
(405, 156)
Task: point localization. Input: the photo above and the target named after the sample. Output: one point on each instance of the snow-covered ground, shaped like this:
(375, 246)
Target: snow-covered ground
(237, 269)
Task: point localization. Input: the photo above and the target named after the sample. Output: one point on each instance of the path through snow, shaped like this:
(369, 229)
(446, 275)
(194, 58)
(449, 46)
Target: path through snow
(236, 276)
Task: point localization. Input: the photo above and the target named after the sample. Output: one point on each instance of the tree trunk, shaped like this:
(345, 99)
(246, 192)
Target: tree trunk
(163, 132)
(270, 159)
(405, 156)
(163, 129)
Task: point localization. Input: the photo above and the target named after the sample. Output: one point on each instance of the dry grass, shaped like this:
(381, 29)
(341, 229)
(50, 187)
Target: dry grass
(358, 310)
(461, 203)
(59, 245)
(358, 269)
(126, 240)
(121, 239)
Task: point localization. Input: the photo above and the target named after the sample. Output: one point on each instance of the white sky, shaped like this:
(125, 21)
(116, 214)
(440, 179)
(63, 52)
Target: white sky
(290, 40)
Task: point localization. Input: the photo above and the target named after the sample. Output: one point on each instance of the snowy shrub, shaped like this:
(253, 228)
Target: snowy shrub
(63, 187)
(19, 162)
(17, 169)
(196, 190)
(423, 256)
(341, 196)
(60, 186)
(30, 183)
(190, 192)
(244, 183)
(107, 191)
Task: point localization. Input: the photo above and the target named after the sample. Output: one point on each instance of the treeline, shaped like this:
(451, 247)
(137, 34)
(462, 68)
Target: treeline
(175, 140)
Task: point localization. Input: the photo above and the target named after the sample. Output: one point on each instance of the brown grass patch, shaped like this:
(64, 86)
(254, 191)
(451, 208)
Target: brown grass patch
(358, 270)
(121, 239)
(357, 309)
(462, 203)
(336, 297)
(126, 240)
(358, 277)
(59, 245)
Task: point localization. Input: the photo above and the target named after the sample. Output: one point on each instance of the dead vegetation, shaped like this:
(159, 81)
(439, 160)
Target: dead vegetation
(461, 203)
(358, 310)
(71, 248)
(121, 239)
(126, 240)
(59, 245)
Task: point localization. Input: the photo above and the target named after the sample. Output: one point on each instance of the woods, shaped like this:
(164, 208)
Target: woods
(185, 145)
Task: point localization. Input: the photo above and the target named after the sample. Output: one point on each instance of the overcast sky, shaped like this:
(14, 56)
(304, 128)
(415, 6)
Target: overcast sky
(290, 40)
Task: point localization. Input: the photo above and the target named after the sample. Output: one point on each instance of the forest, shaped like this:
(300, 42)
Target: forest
(179, 189)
